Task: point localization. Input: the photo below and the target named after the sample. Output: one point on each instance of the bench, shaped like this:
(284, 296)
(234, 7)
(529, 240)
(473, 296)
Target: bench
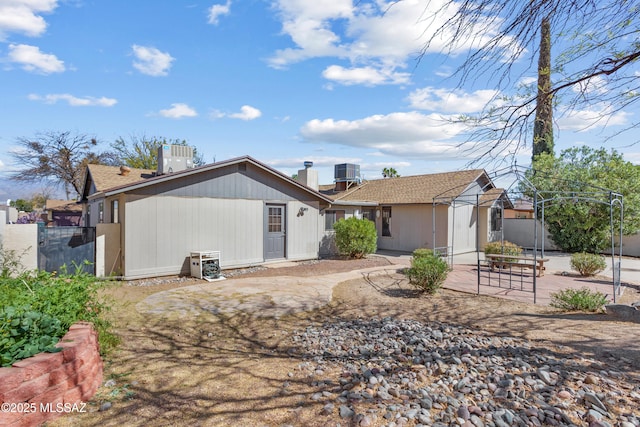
(508, 262)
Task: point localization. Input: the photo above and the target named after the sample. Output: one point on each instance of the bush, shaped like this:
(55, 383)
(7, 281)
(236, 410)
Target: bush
(37, 310)
(578, 300)
(503, 248)
(587, 264)
(24, 332)
(428, 272)
(355, 237)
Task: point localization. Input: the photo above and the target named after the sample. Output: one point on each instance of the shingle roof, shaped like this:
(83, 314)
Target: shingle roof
(63, 205)
(494, 194)
(413, 189)
(105, 177)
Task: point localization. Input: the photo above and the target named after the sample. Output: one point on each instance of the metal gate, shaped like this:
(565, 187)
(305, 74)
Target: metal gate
(73, 247)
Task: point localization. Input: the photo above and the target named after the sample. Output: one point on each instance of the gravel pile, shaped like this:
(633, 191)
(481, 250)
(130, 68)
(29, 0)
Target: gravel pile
(401, 372)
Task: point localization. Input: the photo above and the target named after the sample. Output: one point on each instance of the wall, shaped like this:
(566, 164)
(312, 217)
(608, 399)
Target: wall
(302, 229)
(412, 228)
(108, 250)
(48, 384)
(521, 232)
(23, 239)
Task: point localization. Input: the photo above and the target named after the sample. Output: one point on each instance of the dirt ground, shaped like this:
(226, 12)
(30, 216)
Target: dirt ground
(220, 370)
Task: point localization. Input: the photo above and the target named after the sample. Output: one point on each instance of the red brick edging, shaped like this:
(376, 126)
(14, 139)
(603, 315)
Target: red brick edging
(49, 385)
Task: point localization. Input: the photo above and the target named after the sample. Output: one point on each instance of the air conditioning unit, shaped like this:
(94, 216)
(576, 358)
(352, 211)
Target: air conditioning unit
(206, 265)
(174, 158)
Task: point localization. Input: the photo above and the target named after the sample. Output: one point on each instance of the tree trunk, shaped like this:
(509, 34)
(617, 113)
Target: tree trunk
(543, 125)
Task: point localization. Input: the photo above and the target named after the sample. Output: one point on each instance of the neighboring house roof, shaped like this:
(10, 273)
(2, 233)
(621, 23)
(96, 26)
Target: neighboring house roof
(494, 194)
(415, 189)
(63, 205)
(108, 180)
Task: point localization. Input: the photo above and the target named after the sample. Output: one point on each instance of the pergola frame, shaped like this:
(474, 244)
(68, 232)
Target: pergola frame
(594, 195)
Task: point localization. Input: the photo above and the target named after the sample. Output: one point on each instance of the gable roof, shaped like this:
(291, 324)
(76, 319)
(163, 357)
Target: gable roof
(414, 189)
(109, 181)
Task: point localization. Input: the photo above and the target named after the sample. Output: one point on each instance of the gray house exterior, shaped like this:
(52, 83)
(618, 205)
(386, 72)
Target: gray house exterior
(248, 211)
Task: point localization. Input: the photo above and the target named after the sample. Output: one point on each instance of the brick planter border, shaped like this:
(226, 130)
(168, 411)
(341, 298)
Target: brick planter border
(48, 385)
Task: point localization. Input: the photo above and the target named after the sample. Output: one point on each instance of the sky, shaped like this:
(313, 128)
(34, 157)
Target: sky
(284, 81)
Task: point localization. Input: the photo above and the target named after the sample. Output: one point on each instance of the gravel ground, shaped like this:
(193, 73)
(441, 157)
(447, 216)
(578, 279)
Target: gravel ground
(404, 372)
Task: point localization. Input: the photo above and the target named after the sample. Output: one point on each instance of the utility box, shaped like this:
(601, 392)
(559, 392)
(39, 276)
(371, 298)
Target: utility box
(174, 158)
(206, 265)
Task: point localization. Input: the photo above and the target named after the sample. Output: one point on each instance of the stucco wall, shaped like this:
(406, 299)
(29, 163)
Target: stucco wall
(108, 250)
(23, 239)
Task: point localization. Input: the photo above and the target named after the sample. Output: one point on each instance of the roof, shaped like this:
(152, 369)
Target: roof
(109, 181)
(105, 177)
(63, 205)
(494, 194)
(413, 189)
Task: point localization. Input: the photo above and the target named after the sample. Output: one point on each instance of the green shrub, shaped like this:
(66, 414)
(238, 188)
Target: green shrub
(38, 309)
(427, 272)
(578, 300)
(25, 332)
(355, 238)
(422, 253)
(587, 264)
(503, 248)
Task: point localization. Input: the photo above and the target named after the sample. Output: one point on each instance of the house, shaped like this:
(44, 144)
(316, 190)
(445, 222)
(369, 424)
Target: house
(455, 212)
(148, 222)
(63, 213)
(522, 209)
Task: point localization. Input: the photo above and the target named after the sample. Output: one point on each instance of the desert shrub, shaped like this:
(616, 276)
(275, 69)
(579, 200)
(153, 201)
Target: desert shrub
(503, 248)
(422, 253)
(356, 238)
(587, 264)
(578, 300)
(427, 272)
(38, 309)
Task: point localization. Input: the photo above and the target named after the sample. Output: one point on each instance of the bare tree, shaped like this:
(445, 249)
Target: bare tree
(600, 42)
(57, 156)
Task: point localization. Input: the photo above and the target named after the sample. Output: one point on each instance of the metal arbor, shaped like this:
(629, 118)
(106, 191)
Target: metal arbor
(514, 181)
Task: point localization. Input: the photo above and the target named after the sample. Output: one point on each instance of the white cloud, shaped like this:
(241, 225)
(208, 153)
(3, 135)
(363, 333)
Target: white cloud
(246, 113)
(368, 76)
(23, 16)
(405, 134)
(597, 117)
(218, 10)
(178, 111)
(381, 35)
(87, 101)
(151, 61)
(32, 60)
(450, 100)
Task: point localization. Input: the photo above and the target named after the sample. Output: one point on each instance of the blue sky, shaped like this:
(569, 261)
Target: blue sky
(283, 81)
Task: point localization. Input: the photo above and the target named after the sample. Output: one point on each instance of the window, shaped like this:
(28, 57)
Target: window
(386, 221)
(275, 220)
(331, 217)
(369, 214)
(496, 219)
(114, 212)
(101, 212)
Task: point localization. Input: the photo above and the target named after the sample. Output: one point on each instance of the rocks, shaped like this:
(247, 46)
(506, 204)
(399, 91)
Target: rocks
(404, 372)
(624, 312)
